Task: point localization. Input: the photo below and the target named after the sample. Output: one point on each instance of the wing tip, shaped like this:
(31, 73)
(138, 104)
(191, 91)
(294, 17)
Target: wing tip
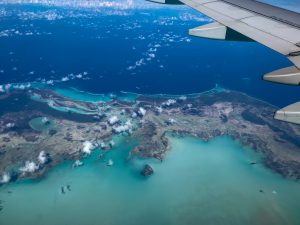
(289, 113)
(288, 75)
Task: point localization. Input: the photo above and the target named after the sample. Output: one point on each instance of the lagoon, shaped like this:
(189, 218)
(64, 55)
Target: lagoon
(197, 183)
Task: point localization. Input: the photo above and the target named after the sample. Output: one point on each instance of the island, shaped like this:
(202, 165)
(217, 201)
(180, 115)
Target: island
(40, 128)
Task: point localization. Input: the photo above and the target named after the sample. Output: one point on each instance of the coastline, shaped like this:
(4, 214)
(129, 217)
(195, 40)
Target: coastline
(148, 119)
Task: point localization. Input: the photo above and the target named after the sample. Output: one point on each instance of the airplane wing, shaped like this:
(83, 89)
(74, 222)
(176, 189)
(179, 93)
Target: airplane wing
(239, 20)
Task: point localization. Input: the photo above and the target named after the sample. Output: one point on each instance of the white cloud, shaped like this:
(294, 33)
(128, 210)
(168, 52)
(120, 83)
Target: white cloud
(7, 87)
(87, 147)
(152, 50)
(10, 125)
(21, 87)
(14, 32)
(113, 120)
(50, 82)
(159, 109)
(110, 162)
(134, 115)
(64, 79)
(95, 4)
(142, 111)
(137, 64)
(42, 157)
(169, 102)
(183, 98)
(127, 127)
(171, 120)
(5, 178)
(140, 62)
(45, 120)
(29, 167)
(120, 129)
(102, 145)
(151, 55)
(77, 163)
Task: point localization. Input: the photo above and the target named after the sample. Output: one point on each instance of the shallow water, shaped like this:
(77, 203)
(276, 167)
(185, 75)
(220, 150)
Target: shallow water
(198, 183)
(80, 95)
(40, 124)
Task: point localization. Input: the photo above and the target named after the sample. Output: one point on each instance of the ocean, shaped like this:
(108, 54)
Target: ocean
(145, 50)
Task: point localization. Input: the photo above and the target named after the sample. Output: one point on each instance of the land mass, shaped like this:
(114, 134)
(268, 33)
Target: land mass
(39, 128)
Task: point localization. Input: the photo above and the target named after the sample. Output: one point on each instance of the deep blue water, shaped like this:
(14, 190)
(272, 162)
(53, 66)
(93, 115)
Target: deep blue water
(107, 45)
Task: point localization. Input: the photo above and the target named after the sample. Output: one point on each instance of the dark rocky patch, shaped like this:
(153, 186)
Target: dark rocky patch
(224, 118)
(251, 117)
(6, 139)
(147, 171)
(52, 132)
(30, 137)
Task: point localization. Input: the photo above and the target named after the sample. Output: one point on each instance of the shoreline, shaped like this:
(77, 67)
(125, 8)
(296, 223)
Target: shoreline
(148, 119)
(62, 87)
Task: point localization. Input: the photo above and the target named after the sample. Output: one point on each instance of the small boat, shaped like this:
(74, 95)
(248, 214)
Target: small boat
(110, 162)
(100, 156)
(69, 187)
(62, 190)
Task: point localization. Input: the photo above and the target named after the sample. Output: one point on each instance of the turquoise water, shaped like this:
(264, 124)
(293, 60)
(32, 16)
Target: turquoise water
(78, 109)
(80, 95)
(39, 124)
(198, 183)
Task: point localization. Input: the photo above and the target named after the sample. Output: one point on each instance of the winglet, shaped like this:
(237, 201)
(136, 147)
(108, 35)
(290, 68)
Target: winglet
(290, 113)
(168, 2)
(289, 75)
(212, 31)
(217, 31)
